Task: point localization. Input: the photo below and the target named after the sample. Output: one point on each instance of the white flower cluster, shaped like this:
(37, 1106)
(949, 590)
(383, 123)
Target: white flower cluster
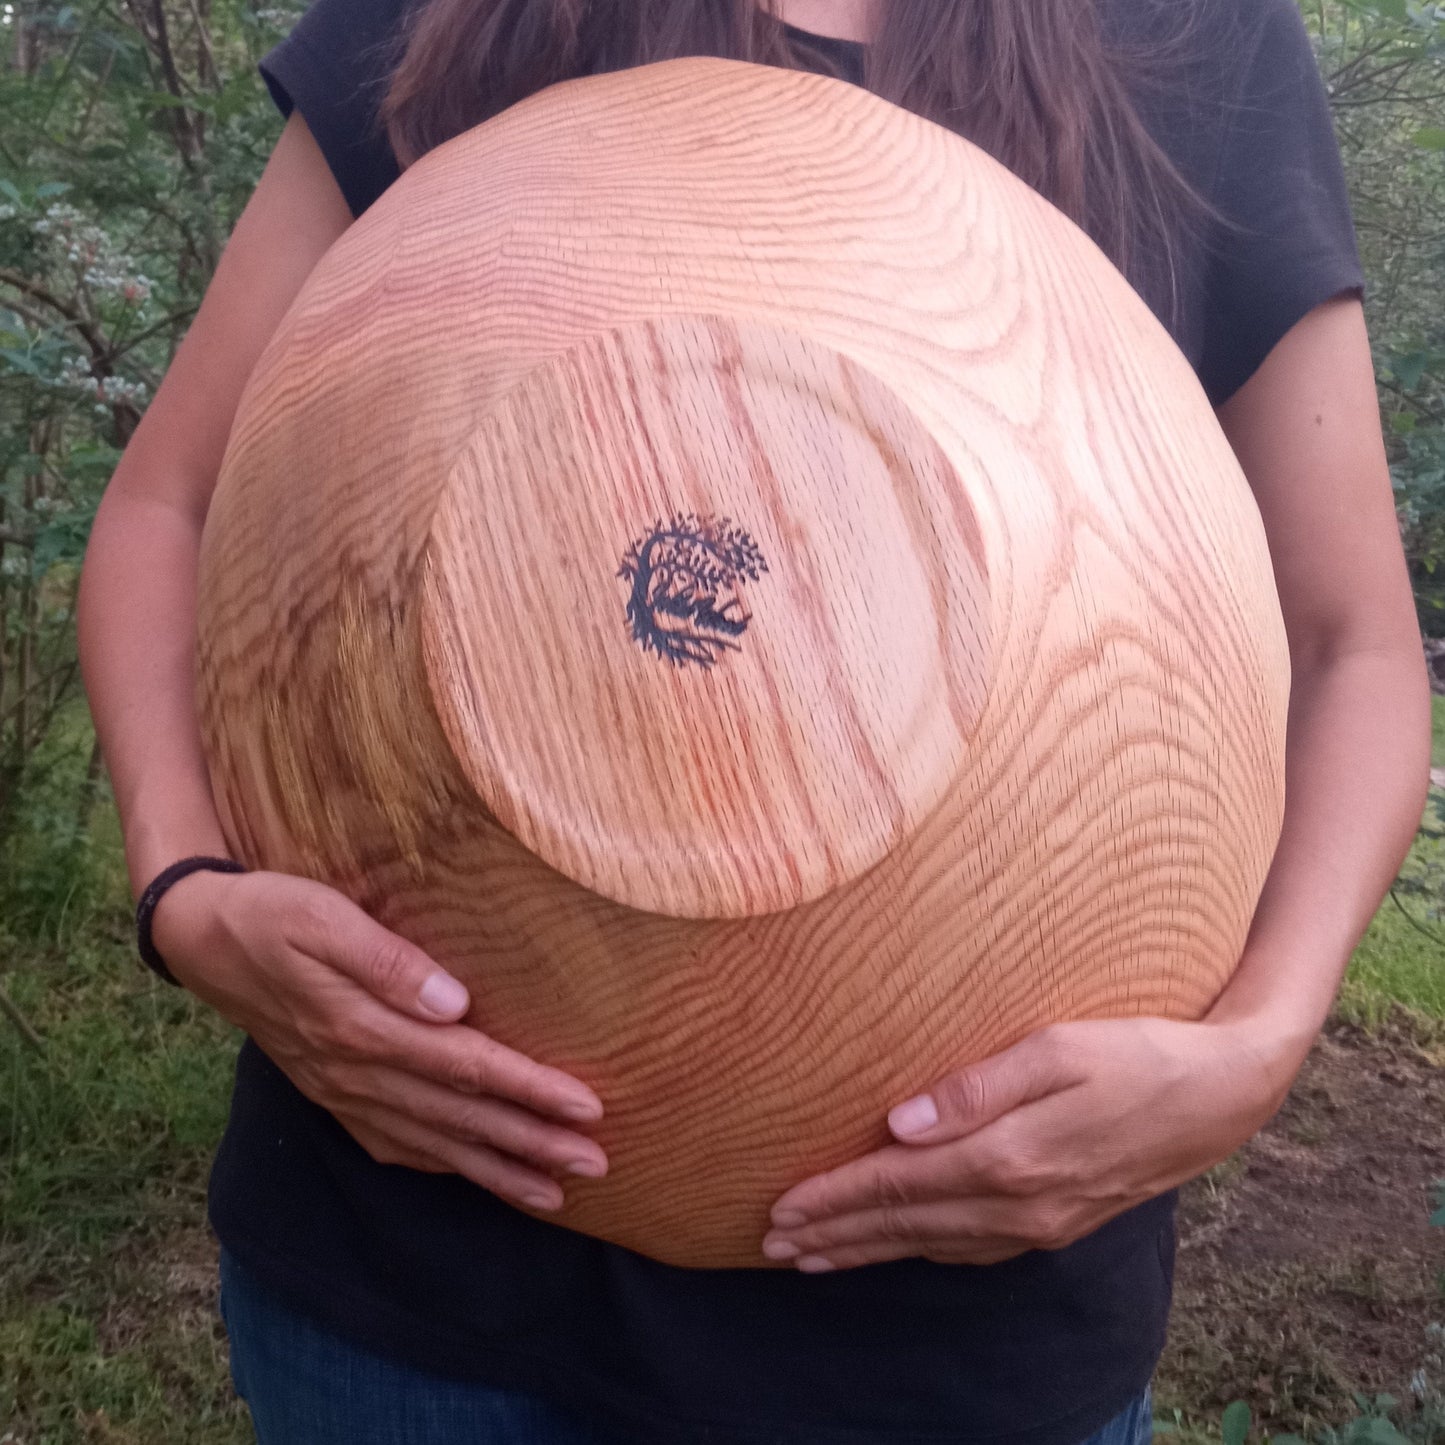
(7, 213)
(86, 247)
(50, 506)
(15, 566)
(103, 392)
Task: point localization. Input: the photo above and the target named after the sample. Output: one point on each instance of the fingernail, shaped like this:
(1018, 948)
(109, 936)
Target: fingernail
(788, 1219)
(780, 1249)
(582, 1110)
(917, 1116)
(442, 995)
(587, 1168)
(541, 1201)
(814, 1264)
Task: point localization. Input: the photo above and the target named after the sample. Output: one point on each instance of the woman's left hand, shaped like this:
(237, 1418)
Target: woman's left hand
(1041, 1144)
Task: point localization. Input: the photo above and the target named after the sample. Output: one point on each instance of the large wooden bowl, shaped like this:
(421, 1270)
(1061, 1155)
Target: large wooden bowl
(745, 584)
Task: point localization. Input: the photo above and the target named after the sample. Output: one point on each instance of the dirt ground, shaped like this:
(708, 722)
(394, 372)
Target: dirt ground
(1307, 1267)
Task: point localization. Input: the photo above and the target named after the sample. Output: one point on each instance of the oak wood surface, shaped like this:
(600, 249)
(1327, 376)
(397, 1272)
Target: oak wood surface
(995, 737)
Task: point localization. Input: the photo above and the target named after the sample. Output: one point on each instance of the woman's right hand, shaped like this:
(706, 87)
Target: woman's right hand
(365, 1024)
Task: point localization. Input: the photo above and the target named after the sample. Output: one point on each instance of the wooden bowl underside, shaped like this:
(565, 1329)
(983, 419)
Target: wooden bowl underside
(996, 737)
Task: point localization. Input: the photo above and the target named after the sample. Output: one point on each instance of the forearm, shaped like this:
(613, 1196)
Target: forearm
(1357, 771)
(137, 651)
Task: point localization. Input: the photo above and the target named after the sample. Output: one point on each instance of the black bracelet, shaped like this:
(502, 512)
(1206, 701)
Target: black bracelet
(145, 910)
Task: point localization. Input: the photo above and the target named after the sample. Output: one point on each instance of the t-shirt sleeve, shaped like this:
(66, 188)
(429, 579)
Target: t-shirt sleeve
(1285, 243)
(334, 68)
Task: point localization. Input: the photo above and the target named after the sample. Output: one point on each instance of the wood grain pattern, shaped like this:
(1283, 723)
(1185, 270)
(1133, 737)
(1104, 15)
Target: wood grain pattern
(1001, 741)
(755, 769)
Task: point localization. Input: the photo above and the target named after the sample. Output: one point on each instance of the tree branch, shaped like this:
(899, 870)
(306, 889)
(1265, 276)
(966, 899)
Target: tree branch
(130, 342)
(94, 338)
(1429, 412)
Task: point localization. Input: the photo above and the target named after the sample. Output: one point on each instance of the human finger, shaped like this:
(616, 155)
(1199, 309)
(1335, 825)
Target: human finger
(462, 1059)
(391, 1137)
(1029, 1224)
(941, 1251)
(493, 1122)
(889, 1178)
(328, 926)
(972, 1097)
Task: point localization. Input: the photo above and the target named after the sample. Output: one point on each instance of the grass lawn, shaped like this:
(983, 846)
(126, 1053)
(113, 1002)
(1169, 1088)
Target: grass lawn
(107, 1325)
(108, 1334)
(1401, 958)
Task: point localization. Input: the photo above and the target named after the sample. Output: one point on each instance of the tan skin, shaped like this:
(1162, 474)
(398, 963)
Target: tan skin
(1031, 1149)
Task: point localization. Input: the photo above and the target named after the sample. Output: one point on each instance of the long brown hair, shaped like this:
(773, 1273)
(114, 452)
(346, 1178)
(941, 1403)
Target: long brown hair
(1033, 82)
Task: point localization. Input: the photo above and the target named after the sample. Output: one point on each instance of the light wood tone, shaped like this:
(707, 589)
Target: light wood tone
(1002, 742)
(822, 735)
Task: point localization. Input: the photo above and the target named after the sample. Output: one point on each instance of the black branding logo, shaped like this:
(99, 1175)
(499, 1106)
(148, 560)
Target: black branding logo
(687, 575)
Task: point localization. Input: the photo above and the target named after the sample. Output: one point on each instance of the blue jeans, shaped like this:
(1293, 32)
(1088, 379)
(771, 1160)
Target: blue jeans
(305, 1386)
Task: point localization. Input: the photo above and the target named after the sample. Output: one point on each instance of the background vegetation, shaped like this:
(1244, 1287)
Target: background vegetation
(131, 132)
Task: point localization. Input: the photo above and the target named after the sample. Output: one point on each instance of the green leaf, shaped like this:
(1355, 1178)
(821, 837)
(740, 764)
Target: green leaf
(1429, 138)
(1234, 1425)
(93, 462)
(1410, 366)
(63, 540)
(47, 189)
(21, 361)
(1379, 1431)
(9, 188)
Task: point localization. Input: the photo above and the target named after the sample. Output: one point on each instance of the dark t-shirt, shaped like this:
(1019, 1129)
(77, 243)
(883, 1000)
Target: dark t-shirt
(1040, 1350)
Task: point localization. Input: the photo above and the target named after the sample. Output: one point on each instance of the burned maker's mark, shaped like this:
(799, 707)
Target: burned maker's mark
(687, 577)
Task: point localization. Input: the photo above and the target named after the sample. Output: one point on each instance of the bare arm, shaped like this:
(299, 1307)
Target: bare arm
(137, 613)
(361, 1021)
(1046, 1141)
(1306, 429)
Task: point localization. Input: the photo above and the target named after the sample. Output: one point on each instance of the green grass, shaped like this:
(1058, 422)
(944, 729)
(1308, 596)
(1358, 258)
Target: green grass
(1398, 961)
(108, 1331)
